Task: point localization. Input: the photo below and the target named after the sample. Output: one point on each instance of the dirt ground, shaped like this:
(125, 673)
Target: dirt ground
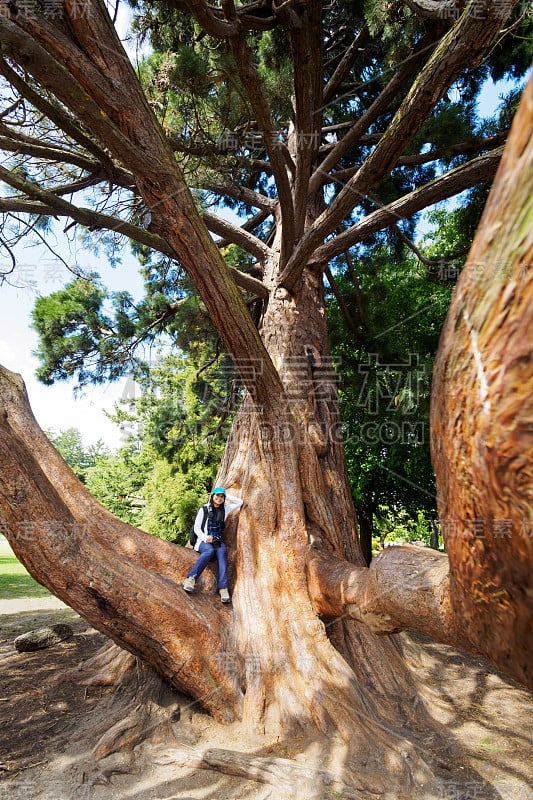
(44, 709)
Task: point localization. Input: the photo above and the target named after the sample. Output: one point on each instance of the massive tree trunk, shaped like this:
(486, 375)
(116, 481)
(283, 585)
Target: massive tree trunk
(305, 648)
(482, 411)
(297, 671)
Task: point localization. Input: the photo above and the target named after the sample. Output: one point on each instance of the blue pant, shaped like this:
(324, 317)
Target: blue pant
(207, 554)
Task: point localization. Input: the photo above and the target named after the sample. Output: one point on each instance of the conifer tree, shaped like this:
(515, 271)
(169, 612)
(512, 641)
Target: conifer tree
(322, 126)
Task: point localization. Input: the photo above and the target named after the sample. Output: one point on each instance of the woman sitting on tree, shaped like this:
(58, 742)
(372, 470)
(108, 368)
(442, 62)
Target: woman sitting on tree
(209, 529)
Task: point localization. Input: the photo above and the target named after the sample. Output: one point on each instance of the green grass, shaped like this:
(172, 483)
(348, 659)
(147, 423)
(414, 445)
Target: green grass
(15, 582)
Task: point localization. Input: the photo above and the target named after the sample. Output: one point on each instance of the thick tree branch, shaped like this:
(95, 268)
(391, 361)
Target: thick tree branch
(39, 47)
(478, 597)
(215, 23)
(211, 22)
(306, 40)
(38, 149)
(57, 115)
(254, 222)
(242, 193)
(103, 574)
(451, 183)
(250, 225)
(237, 235)
(50, 203)
(27, 145)
(255, 93)
(404, 587)
(442, 154)
(95, 220)
(94, 78)
(435, 9)
(471, 33)
(476, 145)
(481, 412)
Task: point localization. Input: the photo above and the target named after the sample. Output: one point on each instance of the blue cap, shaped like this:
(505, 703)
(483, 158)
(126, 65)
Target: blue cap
(219, 490)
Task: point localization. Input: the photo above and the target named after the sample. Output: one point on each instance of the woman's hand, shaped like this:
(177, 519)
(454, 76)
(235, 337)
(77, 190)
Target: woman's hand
(209, 539)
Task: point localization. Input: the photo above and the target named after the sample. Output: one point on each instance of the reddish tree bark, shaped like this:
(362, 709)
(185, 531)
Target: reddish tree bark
(302, 650)
(482, 407)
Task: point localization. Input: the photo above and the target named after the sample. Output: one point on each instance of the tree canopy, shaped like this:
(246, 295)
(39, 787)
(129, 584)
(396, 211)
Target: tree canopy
(258, 123)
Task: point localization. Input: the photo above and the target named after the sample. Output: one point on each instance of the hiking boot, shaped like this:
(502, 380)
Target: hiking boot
(224, 596)
(189, 584)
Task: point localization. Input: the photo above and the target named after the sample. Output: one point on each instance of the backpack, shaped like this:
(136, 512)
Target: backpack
(193, 538)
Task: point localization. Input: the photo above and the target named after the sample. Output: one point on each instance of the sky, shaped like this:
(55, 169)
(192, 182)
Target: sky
(58, 407)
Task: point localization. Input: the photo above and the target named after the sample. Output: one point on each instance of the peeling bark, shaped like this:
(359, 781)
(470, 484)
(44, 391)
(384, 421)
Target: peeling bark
(303, 648)
(482, 407)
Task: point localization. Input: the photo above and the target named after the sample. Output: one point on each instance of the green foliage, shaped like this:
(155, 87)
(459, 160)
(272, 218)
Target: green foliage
(172, 500)
(185, 409)
(70, 445)
(392, 22)
(164, 473)
(385, 374)
(187, 401)
(385, 368)
(275, 67)
(68, 323)
(117, 481)
(96, 336)
(453, 231)
(398, 525)
(160, 478)
(190, 71)
(76, 335)
(508, 109)
(450, 123)
(500, 64)
(192, 83)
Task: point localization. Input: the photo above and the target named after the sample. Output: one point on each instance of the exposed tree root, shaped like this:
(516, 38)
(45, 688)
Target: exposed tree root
(140, 707)
(137, 726)
(108, 666)
(288, 776)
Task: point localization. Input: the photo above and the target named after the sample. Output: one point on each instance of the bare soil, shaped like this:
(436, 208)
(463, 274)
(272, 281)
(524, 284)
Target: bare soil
(46, 714)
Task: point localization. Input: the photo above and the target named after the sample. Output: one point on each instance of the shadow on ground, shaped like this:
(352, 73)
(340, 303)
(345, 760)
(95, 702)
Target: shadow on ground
(43, 707)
